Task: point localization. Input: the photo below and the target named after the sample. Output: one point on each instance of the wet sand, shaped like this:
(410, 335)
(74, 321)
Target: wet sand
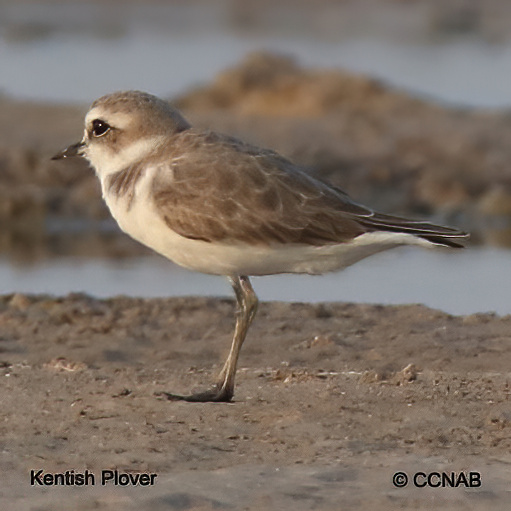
(332, 399)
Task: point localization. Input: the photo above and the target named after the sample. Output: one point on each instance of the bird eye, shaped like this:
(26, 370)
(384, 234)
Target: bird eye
(99, 127)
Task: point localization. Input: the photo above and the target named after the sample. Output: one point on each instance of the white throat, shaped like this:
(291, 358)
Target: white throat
(106, 162)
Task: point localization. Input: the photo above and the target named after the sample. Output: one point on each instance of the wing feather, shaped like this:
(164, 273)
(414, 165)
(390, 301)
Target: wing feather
(218, 189)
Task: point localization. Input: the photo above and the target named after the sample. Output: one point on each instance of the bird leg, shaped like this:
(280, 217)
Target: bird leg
(247, 303)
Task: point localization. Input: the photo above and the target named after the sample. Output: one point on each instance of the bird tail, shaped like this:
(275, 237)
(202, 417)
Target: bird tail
(437, 234)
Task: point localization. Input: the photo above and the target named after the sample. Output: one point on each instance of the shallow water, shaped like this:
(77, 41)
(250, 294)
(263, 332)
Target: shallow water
(64, 51)
(458, 282)
(68, 52)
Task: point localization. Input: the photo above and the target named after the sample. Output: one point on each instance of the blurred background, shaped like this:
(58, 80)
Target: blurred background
(403, 103)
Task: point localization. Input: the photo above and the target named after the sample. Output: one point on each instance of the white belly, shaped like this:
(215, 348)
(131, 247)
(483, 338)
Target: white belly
(142, 222)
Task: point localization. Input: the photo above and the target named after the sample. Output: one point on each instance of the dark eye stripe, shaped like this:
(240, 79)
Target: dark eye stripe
(99, 127)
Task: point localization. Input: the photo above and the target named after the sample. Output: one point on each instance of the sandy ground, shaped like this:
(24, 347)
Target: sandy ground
(331, 401)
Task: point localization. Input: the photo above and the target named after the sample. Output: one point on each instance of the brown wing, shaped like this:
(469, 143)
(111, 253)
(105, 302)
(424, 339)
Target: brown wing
(220, 189)
(216, 188)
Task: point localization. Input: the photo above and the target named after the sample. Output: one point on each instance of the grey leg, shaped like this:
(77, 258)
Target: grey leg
(247, 307)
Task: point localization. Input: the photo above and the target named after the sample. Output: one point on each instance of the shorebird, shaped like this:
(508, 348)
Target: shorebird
(215, 204)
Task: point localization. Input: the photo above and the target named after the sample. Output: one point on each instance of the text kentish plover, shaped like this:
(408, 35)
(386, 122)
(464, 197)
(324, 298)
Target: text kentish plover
(214, 204)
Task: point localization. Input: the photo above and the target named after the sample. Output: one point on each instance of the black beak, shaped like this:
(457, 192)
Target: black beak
(71, 151)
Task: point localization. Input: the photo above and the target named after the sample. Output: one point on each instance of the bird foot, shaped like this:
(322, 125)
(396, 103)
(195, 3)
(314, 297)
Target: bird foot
(216, 394)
